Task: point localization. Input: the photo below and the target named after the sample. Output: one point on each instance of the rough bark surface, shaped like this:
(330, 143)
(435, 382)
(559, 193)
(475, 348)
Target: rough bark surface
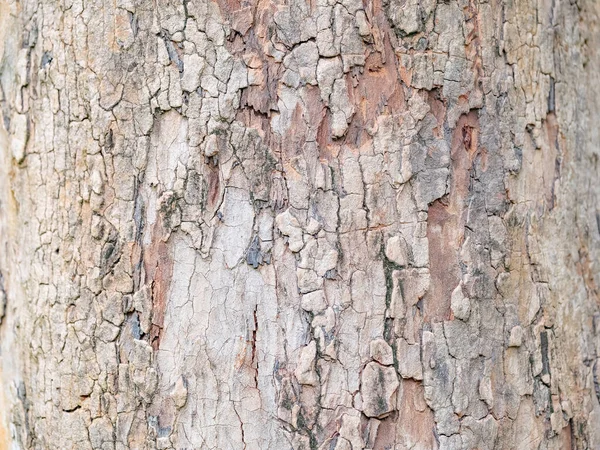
(329, 224)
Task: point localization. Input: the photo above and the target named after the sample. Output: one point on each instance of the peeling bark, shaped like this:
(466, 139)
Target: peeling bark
(299, 225)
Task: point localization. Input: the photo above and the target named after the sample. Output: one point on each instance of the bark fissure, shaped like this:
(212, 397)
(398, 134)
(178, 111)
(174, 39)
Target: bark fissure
(328, 225)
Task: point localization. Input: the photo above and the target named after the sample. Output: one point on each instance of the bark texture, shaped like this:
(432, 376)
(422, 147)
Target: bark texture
(319, 224)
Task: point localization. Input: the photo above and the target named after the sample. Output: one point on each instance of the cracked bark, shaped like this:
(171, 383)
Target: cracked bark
(333, 225)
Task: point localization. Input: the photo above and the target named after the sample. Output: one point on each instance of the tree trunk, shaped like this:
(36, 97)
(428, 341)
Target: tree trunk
(299, 225)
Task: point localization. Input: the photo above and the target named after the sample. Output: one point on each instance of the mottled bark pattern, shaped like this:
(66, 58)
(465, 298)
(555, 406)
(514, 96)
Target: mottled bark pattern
(299, 224)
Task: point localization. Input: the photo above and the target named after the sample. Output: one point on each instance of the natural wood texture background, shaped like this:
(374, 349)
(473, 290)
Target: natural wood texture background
(308, 225)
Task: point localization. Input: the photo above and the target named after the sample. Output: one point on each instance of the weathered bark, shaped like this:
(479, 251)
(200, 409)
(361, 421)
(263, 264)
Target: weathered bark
(272, 225)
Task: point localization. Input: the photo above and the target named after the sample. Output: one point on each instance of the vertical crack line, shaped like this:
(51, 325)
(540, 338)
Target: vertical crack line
(254, 355)
(241, 424)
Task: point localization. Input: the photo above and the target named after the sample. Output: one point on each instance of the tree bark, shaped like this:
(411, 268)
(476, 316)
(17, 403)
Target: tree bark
(305, 225)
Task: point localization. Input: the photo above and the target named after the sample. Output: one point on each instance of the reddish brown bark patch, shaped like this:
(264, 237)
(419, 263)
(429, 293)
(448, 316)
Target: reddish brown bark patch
(378, 90)
(158, 264)
(304, 124)
(444, 242)
(446, 222)
(438, 109)
(415, 422)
